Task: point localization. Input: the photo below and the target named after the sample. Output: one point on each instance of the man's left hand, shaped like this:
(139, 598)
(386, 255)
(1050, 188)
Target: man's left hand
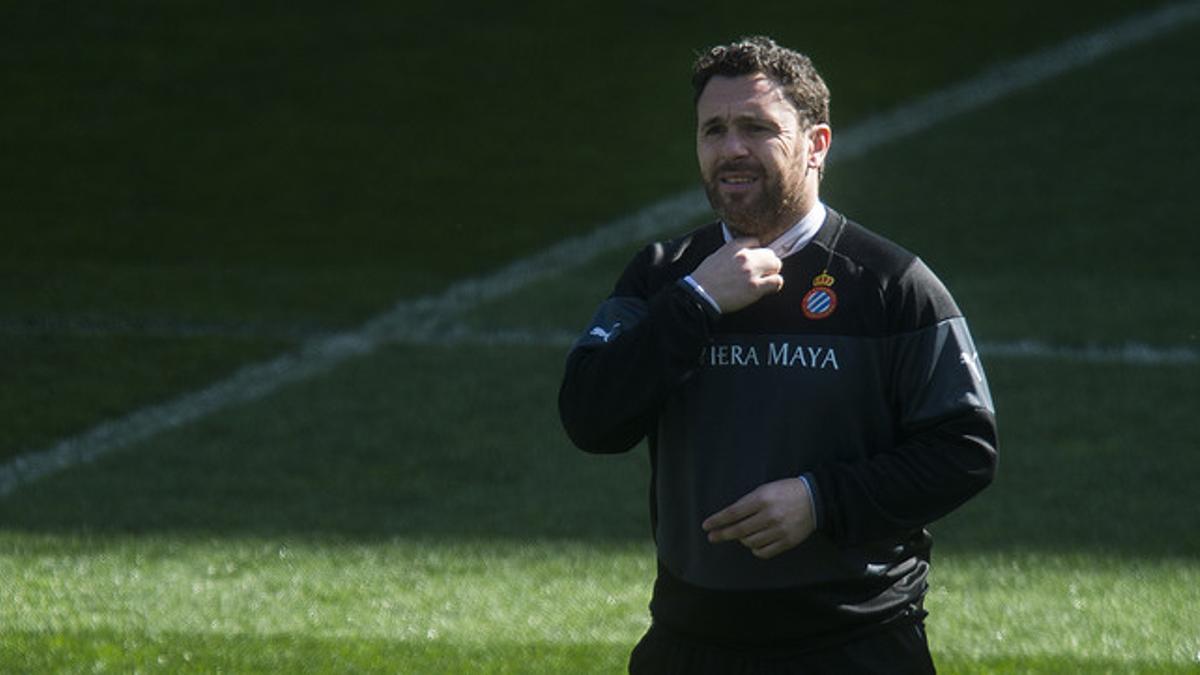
(771, 519)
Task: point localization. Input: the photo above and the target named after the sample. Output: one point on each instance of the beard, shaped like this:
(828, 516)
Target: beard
(769, 211)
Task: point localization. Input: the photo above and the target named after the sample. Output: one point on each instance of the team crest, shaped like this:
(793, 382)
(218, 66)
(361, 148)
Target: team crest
(820, 301)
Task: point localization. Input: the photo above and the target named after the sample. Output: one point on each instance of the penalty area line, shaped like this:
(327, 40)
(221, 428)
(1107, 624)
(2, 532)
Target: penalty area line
(427, 318)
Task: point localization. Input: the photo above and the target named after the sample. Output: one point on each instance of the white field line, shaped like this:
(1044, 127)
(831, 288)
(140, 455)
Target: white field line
(424, 318)
(459, 334)
(1130, 353)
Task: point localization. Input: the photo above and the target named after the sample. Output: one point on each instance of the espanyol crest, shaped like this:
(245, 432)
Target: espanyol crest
(820, 301)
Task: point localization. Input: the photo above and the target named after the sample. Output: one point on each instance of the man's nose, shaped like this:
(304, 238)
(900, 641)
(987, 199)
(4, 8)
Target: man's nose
(734, 145)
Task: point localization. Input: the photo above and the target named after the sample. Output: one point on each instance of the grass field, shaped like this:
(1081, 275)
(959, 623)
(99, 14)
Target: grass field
(219, 185)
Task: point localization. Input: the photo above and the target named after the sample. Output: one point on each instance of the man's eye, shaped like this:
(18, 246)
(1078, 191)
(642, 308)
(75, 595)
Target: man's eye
(713, 131)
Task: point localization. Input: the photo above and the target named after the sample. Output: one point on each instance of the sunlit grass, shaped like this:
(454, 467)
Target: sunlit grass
(1022, 608)
(405, 601)
(467, 592)
(520, 606)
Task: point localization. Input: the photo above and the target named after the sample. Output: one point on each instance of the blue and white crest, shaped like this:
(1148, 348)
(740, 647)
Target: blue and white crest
(820, 301)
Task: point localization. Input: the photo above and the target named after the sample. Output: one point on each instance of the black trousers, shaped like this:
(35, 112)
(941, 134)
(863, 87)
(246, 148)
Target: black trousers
(895, 650)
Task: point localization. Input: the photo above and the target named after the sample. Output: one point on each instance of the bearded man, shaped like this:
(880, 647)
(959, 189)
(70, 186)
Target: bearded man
(810, 395)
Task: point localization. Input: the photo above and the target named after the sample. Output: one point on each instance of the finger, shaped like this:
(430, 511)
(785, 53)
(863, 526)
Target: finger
(762, 260)
(771, 262)
(726, 520)
(742, 508)
(762, 538)
(773, 549)
(772, 283)
(743, 528)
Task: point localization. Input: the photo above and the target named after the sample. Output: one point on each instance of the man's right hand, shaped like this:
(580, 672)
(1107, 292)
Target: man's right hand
(739, 273)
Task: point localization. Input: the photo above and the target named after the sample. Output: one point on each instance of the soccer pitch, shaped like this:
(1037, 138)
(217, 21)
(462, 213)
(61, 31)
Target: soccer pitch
(413, 506)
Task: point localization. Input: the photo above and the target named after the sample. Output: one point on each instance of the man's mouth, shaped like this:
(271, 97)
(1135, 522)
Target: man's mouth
(737, 181)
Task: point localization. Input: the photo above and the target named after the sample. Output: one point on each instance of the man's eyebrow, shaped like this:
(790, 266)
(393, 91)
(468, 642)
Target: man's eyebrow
(744, 118)
(761, 120)
(741, 118)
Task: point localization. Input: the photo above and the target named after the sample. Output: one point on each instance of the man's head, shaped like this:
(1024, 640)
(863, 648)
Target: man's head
(792, 71)
(762, 134)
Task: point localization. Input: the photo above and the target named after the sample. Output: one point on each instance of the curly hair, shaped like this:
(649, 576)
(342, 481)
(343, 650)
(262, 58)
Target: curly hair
(760, 54)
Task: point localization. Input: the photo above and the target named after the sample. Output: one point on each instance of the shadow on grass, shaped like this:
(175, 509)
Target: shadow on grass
(465, 442)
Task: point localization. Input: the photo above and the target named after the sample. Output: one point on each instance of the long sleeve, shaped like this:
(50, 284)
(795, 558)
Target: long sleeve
(938, 467)
(644, 340)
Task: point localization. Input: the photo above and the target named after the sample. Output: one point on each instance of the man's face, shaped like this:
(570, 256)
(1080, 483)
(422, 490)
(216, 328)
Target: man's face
(754, 156)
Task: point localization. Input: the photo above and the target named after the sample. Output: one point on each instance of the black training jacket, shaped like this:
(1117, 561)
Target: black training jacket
(860, 375)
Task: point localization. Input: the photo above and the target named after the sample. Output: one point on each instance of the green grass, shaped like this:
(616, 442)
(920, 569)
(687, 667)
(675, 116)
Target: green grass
(428, 547)
(1095, 611)
(330, 606)
(304, 164)
(480, 605)
(56, 384)
(412, 441)
(419, 510)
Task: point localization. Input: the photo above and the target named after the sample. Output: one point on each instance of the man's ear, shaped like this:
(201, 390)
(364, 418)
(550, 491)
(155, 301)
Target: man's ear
(820, 137)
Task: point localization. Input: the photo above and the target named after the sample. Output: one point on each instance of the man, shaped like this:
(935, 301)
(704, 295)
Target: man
(810, 393)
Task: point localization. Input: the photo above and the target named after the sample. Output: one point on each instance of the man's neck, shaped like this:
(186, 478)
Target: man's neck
(783, 223)
(791, 238)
